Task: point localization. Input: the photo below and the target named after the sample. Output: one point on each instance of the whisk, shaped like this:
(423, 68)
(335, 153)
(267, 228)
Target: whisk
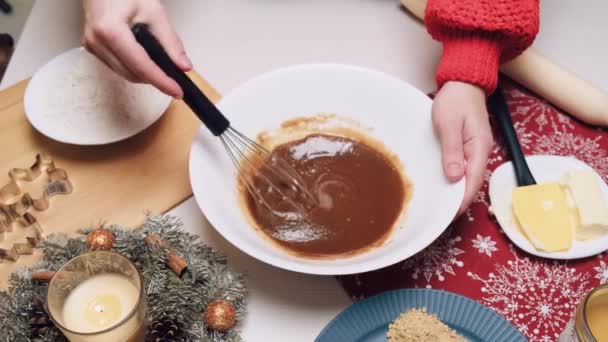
(253, 160)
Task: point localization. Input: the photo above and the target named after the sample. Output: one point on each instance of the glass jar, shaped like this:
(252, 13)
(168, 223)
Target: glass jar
(98, 296)
(590, 320)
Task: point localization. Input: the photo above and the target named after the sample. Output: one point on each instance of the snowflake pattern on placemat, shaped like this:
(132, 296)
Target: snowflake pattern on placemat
(536, 296)
(542, 129)
(484, 245)
(482, 196)
(602, 272)
(585, 149)
(474, 257)
(436, 262)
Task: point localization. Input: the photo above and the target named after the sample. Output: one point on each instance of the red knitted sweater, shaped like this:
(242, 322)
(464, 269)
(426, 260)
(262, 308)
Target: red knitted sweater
(478, 35)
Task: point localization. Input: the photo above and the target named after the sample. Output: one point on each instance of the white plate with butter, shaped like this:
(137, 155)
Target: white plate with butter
(545, 169)
(76, 99)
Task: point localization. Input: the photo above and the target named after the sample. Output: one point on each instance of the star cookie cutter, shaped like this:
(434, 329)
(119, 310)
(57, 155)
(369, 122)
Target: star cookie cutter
(17, 212)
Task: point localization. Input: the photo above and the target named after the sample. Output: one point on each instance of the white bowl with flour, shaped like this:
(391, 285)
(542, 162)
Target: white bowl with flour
(76, 99)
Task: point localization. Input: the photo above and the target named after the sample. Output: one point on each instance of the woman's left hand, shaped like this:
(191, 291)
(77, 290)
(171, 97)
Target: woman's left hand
(460, 119)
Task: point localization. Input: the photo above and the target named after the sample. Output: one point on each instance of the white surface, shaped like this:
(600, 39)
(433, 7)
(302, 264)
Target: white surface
(573, 34)
(233, 40)
(89, 104)
(398, 115)
(282, 305)
(544, 169)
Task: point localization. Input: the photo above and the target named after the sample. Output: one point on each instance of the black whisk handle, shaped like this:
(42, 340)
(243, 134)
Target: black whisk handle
(206, 111)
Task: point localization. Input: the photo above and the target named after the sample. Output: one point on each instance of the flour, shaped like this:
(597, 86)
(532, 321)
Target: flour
(89, 103)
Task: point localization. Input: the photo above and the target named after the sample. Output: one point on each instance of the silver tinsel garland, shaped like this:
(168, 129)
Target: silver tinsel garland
(182, 299)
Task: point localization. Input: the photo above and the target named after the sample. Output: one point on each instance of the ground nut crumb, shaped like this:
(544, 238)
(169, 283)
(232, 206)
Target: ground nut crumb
(417, 325)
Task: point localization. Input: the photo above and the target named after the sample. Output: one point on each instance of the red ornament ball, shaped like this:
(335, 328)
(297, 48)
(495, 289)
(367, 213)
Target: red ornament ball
(100, 239)
(220, 315)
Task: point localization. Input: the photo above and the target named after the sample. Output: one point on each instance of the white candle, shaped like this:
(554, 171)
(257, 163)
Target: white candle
(99, 303)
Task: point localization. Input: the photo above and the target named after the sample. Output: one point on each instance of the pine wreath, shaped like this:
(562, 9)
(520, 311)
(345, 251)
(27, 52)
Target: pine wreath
(182, 299)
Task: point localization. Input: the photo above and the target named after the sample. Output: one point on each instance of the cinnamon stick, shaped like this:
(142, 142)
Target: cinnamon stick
(44, 276)
(176, 263)
(153, 240)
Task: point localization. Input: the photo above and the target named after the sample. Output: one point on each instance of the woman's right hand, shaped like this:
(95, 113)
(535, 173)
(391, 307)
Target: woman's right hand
(107, 34)
(461, 121)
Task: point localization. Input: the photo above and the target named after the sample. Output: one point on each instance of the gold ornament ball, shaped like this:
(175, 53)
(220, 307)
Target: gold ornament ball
(100, 239)
(220, 315)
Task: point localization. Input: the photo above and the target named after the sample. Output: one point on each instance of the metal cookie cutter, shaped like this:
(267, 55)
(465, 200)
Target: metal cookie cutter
(17, 211)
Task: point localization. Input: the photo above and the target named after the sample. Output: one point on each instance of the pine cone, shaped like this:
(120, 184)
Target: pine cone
(39, 320)
(164, 330)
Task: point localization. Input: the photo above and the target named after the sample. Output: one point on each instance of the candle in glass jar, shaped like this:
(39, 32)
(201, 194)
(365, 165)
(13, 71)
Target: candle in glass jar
(597, 317)
(588, 323)
(99, 302)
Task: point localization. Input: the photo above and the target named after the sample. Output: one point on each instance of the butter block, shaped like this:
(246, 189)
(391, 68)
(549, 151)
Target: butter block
(590, 204)
(543, 214)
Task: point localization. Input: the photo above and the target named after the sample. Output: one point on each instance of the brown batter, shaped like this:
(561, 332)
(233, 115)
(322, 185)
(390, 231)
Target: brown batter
(360, 193)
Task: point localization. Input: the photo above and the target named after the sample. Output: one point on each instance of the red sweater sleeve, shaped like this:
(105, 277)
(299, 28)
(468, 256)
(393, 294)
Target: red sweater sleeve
(478, 35)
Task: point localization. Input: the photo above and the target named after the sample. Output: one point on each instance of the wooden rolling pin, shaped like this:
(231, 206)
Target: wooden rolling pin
(555, 84)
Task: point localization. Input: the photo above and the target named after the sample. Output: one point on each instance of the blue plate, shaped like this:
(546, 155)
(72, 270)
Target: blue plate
(368, 320)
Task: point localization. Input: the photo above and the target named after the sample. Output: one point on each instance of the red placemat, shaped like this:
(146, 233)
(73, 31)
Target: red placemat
(476, 259)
